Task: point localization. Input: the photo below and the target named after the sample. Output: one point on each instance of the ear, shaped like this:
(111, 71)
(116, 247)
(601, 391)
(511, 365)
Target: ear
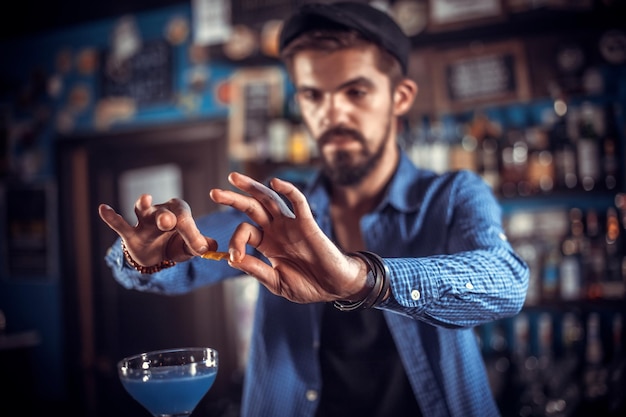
(404, 96)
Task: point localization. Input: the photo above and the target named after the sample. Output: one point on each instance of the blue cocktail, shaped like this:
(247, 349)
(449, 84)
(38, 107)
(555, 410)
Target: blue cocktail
(169, 382)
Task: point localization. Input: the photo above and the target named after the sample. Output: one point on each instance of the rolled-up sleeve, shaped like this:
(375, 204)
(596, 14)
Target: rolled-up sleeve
(472, 275)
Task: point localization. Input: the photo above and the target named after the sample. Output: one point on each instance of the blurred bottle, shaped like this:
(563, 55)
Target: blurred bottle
(571, 270)
(439, 147)
(595, 377)
(488, 136)
(299, 148)
(278, 136)
(566, 176)
(498, 361)
(550, 273)
(588, 148)
(463, 145)
(611, 150)
(612, 286)
(616, 403)
(514, 156)
(564, 384)
(594, 256)
(541, 170)
(620, 204)
(429, 150)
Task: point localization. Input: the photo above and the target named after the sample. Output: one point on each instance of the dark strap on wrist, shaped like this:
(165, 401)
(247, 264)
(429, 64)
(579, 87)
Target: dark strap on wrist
(380, 274)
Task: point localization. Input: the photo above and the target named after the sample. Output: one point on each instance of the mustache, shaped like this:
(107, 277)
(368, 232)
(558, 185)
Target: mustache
(340, 131)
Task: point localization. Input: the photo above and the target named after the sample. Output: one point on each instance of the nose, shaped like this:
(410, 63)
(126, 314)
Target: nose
(334, 111)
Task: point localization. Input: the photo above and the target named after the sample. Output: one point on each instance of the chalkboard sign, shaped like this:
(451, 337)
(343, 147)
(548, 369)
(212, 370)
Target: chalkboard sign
(257, 97)
(490, 73)
(145, 77)
(482, 77)
(257, 102)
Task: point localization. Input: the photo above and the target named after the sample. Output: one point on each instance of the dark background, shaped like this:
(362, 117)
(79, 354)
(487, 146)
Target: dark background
(25, 17)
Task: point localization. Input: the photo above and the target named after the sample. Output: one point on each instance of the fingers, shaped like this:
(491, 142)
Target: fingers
(263, 204)
(175, 214)
(114, 220)
(245, 234)
(298, 200)
(154, 220)
(272, 198)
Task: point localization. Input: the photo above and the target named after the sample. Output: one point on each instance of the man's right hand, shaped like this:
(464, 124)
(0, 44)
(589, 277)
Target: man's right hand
(163, 231)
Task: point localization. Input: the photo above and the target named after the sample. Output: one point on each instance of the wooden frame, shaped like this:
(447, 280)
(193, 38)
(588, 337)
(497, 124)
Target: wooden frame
(249, 117)
(495, 73)
(458, 14)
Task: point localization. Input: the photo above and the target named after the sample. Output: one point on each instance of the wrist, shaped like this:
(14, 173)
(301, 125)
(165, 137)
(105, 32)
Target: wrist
(374, 294)
(164, 264)
(365, 278)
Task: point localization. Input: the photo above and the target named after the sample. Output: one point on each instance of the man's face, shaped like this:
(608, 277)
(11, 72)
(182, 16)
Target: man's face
(346, 103)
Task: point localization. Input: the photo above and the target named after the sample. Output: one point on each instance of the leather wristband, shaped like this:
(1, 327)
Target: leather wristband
(377, 271)
(168, 263)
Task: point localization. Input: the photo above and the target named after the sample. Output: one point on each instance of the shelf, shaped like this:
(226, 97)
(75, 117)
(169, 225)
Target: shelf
(531, 23)
(582, 200)
(605, 304)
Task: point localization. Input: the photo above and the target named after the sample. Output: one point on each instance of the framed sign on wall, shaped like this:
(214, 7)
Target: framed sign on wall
(256, 98)
(480, 74)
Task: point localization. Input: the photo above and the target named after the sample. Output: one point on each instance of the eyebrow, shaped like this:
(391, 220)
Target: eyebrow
(349, 83)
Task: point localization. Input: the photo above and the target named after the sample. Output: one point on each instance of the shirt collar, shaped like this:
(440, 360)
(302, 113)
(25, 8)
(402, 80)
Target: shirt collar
(402, 194)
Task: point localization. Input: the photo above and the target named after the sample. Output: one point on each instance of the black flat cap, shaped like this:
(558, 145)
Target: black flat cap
(374, 24)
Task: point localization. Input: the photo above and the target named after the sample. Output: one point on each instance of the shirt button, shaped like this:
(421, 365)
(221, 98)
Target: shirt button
(311, 395)
(469, 286)
(502, 236)
(415, 295)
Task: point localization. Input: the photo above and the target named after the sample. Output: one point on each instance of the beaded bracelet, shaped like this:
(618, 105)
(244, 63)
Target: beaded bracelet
(377, 270)
(145, 269)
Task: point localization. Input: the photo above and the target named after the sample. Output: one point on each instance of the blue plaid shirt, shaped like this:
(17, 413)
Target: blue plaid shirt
(451, 269)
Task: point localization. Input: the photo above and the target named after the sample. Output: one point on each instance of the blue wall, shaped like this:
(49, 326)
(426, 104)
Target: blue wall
(36, 109)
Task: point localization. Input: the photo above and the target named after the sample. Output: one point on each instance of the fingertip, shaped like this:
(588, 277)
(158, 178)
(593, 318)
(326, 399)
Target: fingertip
(235, 255)
(165, 220)
(144, 201)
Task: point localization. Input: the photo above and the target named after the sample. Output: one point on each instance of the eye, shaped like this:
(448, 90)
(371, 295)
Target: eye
(356, 93)
(310, 95)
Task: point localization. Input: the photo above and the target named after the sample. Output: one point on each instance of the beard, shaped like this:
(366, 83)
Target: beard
(345, 168)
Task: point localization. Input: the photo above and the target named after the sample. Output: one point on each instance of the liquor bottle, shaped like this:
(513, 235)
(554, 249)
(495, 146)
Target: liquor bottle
(564, 384)
(278, 138)
(487, 133)
(497, 360)
(438, 147)
(595, 388)
(588, 148)
(429, 150)
(540, 175)
(594, 256)
(616, 403)
(550, 273)
(514, 156)
(463, 146)
(612, 285)
(299, 145)
(564, 151)
(571, 270)
(611, 150)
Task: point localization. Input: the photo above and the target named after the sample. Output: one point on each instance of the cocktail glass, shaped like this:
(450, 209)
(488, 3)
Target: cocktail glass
(169, 382)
